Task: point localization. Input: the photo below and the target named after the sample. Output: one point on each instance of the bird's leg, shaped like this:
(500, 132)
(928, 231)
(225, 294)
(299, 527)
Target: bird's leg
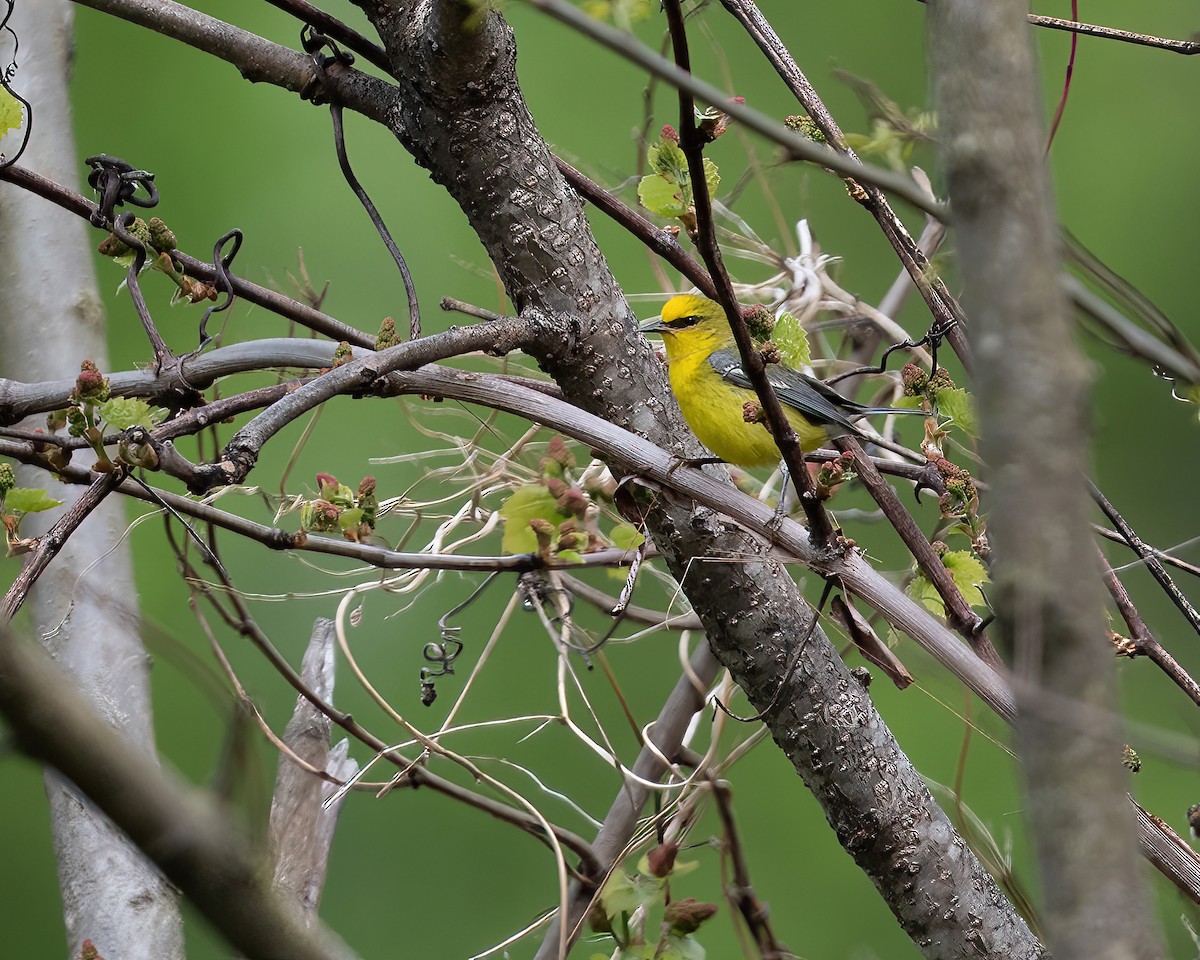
(783, 506)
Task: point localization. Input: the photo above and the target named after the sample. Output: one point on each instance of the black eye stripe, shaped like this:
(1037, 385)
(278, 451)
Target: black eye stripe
(680, 323)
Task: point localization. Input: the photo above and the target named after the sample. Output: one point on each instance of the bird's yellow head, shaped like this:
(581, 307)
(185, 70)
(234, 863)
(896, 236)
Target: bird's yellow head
(690, 323)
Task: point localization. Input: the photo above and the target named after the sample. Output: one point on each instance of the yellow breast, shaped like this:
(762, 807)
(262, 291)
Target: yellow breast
(713, 408)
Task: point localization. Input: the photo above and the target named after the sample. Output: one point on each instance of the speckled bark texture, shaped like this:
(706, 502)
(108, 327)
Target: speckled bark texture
(461, 114)
(1032, 386)
(828, 727)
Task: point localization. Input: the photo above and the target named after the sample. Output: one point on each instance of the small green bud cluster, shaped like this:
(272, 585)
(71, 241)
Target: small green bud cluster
(338, 508)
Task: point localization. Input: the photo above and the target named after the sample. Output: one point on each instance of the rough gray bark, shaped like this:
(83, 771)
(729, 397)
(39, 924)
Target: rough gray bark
(461, 114)
(301, 830)
(1032, 387)
(50, 319)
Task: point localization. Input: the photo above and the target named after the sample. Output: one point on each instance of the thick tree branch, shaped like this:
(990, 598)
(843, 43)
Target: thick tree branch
(258, 60)
(1032, 390)
(181, 829)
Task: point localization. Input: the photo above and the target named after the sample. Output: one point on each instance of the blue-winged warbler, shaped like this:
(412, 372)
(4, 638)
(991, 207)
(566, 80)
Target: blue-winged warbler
(712, 388)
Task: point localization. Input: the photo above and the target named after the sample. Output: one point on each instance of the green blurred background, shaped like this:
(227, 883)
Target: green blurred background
(417, 874)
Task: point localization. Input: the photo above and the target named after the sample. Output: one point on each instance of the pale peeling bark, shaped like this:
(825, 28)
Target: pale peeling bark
(1032, 387)
(50, 319)
(301, 830)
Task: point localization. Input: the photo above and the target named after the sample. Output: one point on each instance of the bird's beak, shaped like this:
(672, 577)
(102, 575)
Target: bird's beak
(653, 325)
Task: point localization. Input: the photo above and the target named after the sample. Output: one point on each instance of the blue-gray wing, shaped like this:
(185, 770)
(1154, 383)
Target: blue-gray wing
(816, 400)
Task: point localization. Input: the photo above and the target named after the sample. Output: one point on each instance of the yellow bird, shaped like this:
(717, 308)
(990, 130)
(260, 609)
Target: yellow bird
(708, 381)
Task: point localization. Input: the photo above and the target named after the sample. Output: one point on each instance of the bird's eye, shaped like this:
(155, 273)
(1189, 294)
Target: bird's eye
(681, 322)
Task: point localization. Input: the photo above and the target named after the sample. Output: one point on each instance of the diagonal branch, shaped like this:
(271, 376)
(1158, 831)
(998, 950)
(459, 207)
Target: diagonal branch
(257, 59)
(195, 844)
(942, 305)
(798, 147)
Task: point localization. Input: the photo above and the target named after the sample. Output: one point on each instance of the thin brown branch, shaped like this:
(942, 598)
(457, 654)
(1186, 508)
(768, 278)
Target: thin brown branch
(51, 542)
(691, 142)
(257, 59)
(301, 313)
(607, 602)
(1148, 558)
(958, 612)
(945, 309)
(1159, 554)
(333, 27)
(741, 892)
(797, 147)
(1141, 642)
(1186, 47)
(655, 238)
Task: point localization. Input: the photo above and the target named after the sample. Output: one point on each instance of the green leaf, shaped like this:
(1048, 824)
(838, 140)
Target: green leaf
(678, 870)
(22, 500)
(626, 537)
(638, 951)
(675, 947)
(968, 575)
(792, 340)
(121, 413)
(624, 13)
(624, 894)
(711, 177)
(569, 556)
(529, 502)
(668, 161)
(350, 519)
(959, 407)
(660, 197)
(10, 112)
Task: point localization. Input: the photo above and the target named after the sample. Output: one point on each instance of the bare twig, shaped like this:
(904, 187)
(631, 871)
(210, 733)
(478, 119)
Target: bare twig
(328, 24)
(655, 238)
(258, 60)
(1186, 47)
(1141, 642)
(798, 147)
(204, 270)
(958, 612)
(741, 891)
(945, 309)
(50, 543)
(692, 143)
(1162, 555)
(1148, 558)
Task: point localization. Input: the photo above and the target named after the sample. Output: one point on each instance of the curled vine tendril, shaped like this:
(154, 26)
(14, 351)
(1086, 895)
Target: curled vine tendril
(116, 183)
(6, 78)
(444, 651)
